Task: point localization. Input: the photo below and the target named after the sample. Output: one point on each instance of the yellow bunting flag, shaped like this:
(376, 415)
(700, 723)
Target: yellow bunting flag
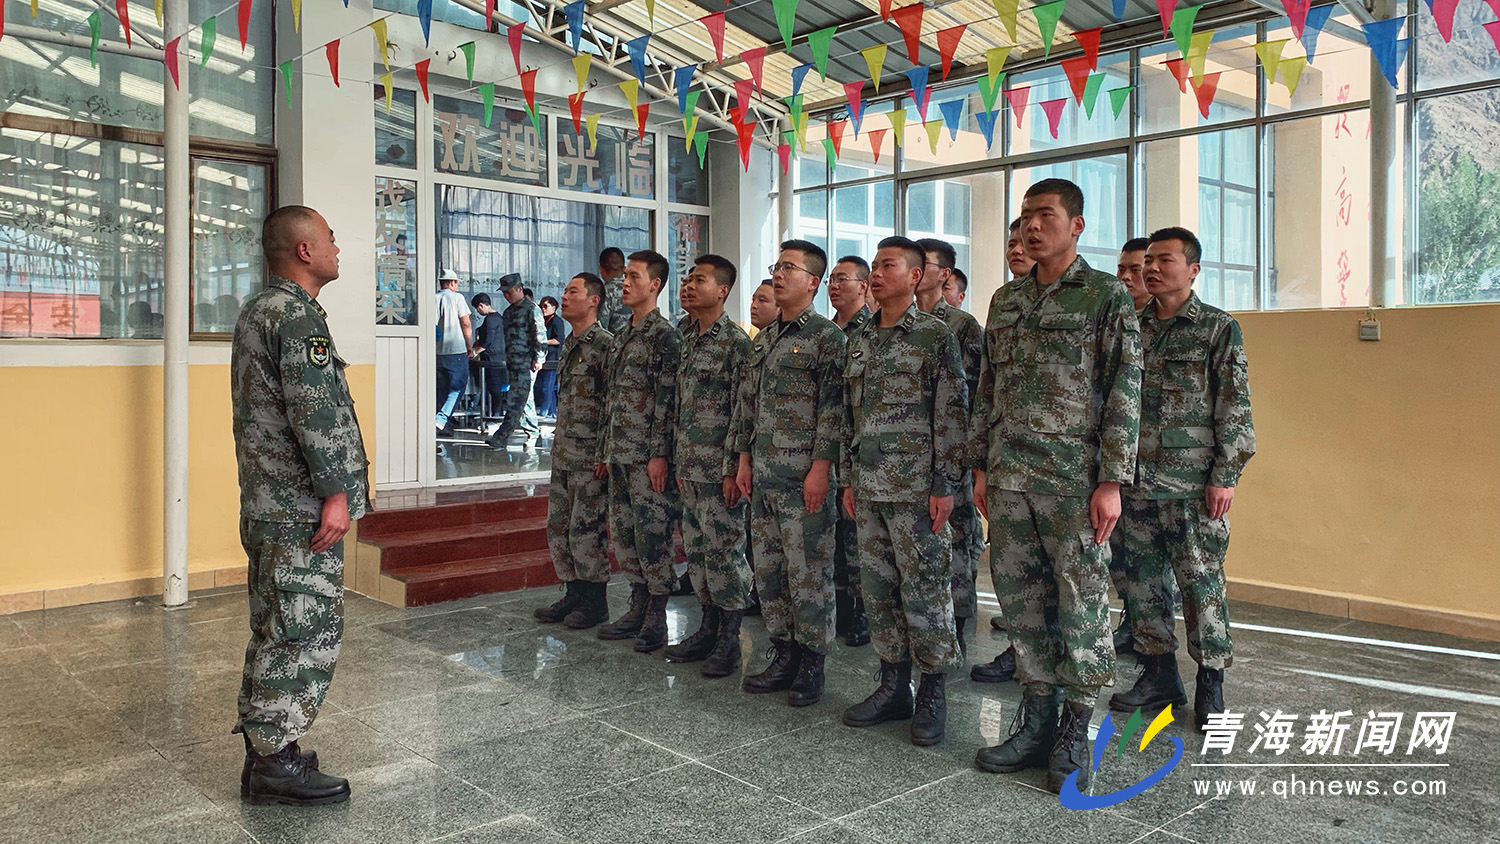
(874, 60)
(1197, 54)
(1007, 10)
(296, 15)
(995, 58)
(934, 128)
(592, 124)
(898, 124)
(632, 88)
(801, 126)
(581, 63)
(382, 40)
(389, 81)
(690, 128)
(1291, 73)
(1270, 56)
(158, 10)
(651, 11)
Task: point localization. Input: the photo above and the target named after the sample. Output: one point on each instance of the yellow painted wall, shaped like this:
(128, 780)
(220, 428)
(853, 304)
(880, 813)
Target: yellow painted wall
(82, 496)
(1377, 471)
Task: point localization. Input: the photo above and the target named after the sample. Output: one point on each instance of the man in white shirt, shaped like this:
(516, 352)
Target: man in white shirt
(454, 348)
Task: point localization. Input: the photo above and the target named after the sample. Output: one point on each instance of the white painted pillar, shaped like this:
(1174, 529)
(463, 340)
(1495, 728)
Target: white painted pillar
(1382, 155)
(179, 230)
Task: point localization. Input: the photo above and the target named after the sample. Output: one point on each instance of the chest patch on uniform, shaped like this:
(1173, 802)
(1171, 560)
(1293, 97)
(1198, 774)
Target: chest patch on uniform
(319, 350)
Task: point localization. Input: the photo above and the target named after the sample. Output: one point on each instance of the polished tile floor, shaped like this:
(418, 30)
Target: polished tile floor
(468, 723)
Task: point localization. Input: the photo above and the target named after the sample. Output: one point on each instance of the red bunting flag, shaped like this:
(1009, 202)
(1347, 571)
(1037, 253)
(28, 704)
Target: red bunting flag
(513, 34)
(852, 91)
(1165, 8)
(1206, 90)
(714, 23)
(1077, 71)
(122, 11)
(755, 60)
(171, 51)
(1296, 12)
(1088, 39)
(836, 134)
(421, 69)
(1493, 28)
(1018, 98)
(575, 106)
(742, 94)
(1054, 108)
(947, 41)
(746, 134)
(528, 87)
(909, 18)
(1179, 70)
(784, 152)
(1442, 15)
(877, 137)
(244, 17)
(885, 10)
(642, 111)
(331, 49)
(489, 13)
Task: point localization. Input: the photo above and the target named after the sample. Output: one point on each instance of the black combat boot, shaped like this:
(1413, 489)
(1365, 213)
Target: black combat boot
(1001, 670)
(843, 605)
(931, 715)
(699, 645)
(959, 623)
(725, 659)
(1209, 696)
(779, 675)
(1071, 752)
(807, 689)
(859, 626)
(1032, 735)
(654, 627)
(593, 606)
(1158, 686)
(891, 700)
(286, 778)
(629, 624)
(555, 612)
(1124, 639)
(309, 758)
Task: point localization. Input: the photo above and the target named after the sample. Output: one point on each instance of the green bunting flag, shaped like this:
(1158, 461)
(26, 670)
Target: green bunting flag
(690, 105)
(286, 77)
(468, 50)
(819, 42)
(1118, 98)
(1091, 93)
(94, 34)
(1182, 27)
(702, 143)
(487, 93)
(989, 90)
(828, 150)
(210, 34)
(786, 17)
(1047, 16)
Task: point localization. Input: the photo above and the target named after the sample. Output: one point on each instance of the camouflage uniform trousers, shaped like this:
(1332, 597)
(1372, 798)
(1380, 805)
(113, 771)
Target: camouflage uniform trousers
(1052, 583)
(296, 627)
(713, 538)
(1167, 539)
(846, 554)
(968, 544)
(794, 566)
(904, 571)
(641, 523)
(520, 406)
(576, 525)
(1117, 575)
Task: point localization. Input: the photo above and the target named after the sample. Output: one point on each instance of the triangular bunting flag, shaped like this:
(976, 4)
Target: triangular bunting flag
(818, 42)
(934, 128)
(909, 19)
(994, 59)
(631, 89)
(581, 64)
(1091, 93)
(1119, 10)
(682, 80)
(1053, 108)
(852, 92)
(487, 96)
(388, 80)
(296, 14)
(743, 91)
(1382, 38)
(122, 11)
(798, 74)
(94, 24)
(1205, 91)
(1291, 73)
(1118, 97)
(784, 153)
(857, 117)
(793, 106)
(714, 23)
(636, 49)
(692, 106)
(830, 153)
(1017, 98)
(1006, 10)
(1182, 28)
(1164, 9)
(1296, 13)
(875, 61)
(1179, 70)
(988, 90)
(746, 135)
(468, 51)
(206, 40)
(947, 41)
(1318, 18)
(1197, 53)
(423, 65)
(898, 123)
(1270, 56)
(574, 13)
(528, 87)
(1493, 28)
(244, 20)
(171, 60)
(1076, 69)
(651, 11)
(755, 60)
(591, 124)
(382, 41)
(917, 76)
(1088, 41)
(836, 134)
(953, 115)
(800, 125)
(489, 13)
(1047, 16)
(331, 50)
(575, 108)
(689, 130)
(287, 68)
(877, 139)
(642, 111)
(786, 18)
(986, 120)
(424, 14)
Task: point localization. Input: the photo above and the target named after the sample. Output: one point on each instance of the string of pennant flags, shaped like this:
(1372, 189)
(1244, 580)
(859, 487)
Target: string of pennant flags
(1086, 81)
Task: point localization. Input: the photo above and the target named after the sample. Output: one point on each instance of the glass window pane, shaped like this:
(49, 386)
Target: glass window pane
(857, 159)
(688, 238)
(1470, 57)
(396, 130)
(812, 205)
(810, 164)
(510, 149)
(687, 182)
(853, 205)
(1338, 73)
(229, 203)
(1239, 157)
(1210, 198)
(1167, 105)
(1239, 227)
(620, 163)
(395, 252)
(1210, 155)
(885, 204)
(921, 209)
(233, 97)
(852, 229)
(1458, 182)
(955, 208)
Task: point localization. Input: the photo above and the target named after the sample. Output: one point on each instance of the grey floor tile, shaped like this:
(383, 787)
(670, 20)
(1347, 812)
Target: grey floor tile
(66, 739)
(461, 716)
(460, 629)
(832, 832)
(1263, 820)
(12, 635)
(377, 668)
(514, 829)
(168, 702)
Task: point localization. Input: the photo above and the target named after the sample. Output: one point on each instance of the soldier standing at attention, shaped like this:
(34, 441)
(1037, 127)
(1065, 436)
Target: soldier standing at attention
(1052, 438)
(525, 350)
(303, 479)
(613, 314)
(956, 288)
(642, 418)
(577, 498)
(1130, 270)
(968, 535)
(790, 430)
(763, 310)
(848, 289)
(907, 411)
(714, 353)
(1196, 438)
(1016, 260)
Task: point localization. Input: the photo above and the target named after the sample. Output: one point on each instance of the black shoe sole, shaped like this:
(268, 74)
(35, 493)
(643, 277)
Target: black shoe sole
(877, 722)
(716, 675)
(643, 646)
(926, 742)
(279, 800)
(765, 690)
(1155, 706)
(1009, 769)
(990, 678)
(794, 700)
(615, 634)
(584, 625)
(686, 658)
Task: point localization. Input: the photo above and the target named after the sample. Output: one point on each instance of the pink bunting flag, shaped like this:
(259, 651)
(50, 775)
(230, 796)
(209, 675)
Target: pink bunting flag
(1088, 39)
(421, 69)
(642, 111)
(528, 87)
(852, 91)
(714, 23)
(947, 41)
(909, 18)
(1493, 28)
(171, 51)
(745, 133)
(244, 17)
(784, 152)
(1018, 98)
(1494, 7)
(1442, 15)
(1165, 8)
(575, 106)
(1296, 12)
(1054, 108)
(755, 59)
(513, 34)
(331, 50)
(122, 11)
(836, 134)
(742, 94)
(1205, 91)
(1077, 71)
(489, 13)
(877, 137)
(1179, 70)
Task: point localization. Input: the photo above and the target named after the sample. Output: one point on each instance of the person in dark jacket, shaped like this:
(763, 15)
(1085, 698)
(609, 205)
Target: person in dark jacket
(489, 349)
(546, 379)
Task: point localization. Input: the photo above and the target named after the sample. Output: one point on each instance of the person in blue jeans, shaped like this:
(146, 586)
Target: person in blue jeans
(546, 379)
(455, 345)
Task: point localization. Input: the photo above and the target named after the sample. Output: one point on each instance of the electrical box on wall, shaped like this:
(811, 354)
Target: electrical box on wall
(1369, 329)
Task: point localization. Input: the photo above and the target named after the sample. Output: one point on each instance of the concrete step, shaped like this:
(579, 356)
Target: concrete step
(449, 581)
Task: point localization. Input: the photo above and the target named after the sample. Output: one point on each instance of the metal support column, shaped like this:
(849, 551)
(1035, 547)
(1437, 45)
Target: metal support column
(178, 225)
(1382, 156)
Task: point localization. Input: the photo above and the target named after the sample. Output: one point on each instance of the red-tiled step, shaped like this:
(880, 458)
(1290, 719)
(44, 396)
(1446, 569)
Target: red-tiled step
(442, 545)
(450, 581)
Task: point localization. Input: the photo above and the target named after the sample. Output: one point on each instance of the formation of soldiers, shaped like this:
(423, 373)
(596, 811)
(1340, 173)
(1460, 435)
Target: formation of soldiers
(1097, 423)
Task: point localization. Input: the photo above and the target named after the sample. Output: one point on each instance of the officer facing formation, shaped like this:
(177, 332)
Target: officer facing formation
(906, 410)
(525, 349)
(303, 480)
(848, 289)
(577, 498)
(1130, 269)
(614, 314)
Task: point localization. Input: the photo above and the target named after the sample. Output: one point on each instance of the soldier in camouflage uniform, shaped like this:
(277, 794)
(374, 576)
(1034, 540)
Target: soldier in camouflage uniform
(907, 412)
(789, 430)
(714, 353)
(577, 498)
(613, 312)
(968, 536)
(1197, 435)
(638, 447)
(303, 479)
(1130, 270)
(848, 289)
(525, 350)
(1052, 438)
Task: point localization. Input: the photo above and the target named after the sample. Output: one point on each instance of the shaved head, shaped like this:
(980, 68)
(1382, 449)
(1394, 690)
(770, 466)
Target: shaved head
(298, 244)
(287, 227)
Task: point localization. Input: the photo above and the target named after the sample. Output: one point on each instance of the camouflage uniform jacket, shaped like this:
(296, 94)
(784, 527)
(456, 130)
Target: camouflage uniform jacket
(296, 438)
(907, 410)
(970, 342)
(582, 390)
(708, 384)
(791, 407)
(1058, 410)
(643, 391)
(613, 314)
(1195, 402)
(857, 321)
(525, 335)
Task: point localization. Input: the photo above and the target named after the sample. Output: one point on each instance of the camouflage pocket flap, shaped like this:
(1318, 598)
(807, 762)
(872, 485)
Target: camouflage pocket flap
(796, 360)
(1194, 355)
(309, 581)
(1004, 319)
(1187, 437)
(792, 439)
(708, 429)
(1063, 321)
(905, 443)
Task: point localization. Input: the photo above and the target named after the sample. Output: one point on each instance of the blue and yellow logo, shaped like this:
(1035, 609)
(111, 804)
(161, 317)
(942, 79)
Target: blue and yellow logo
(1072, 798)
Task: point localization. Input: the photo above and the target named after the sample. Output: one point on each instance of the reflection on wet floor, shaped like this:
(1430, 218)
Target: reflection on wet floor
(466, 455)
(469, 722)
